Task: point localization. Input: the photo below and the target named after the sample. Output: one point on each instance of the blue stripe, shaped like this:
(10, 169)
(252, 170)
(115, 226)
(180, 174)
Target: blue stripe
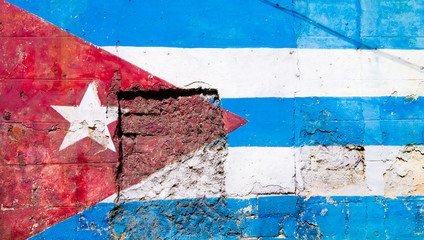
(269, 216)
(253, 23)
(270, 121)
(273, 122)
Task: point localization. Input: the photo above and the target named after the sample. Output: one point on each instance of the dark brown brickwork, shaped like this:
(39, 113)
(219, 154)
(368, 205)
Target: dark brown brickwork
(157, 131)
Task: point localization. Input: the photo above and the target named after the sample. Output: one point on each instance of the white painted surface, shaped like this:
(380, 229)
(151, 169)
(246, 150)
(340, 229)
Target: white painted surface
(264, 72)
(330, 171)
(375, 177)
(242, 72)
(259, 170)
(382, 153)
(306, 171)
(324, 170)
(378, 160)
(89, 119)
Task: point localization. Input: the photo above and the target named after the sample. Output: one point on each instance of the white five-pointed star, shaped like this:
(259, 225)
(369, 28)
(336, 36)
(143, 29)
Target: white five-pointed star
(89, 119)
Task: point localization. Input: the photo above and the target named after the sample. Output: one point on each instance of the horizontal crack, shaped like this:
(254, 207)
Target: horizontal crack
(166, 93)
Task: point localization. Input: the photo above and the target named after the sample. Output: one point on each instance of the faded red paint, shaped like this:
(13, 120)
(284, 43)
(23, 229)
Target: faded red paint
(232, 121)
(38, 218)
(19, 23)
(32, 48)
(40, 66)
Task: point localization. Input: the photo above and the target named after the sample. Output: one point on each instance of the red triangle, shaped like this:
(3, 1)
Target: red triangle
(42, 65)
(32, 48)
(232, 121)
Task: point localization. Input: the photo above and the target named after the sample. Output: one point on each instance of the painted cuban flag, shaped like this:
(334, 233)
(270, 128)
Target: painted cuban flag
(331, 92)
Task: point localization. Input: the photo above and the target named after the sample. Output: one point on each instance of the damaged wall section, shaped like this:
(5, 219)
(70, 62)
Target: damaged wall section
(157, 128)
(265, 217)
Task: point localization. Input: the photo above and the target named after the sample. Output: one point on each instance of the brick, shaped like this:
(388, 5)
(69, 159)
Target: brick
(16, 187)
(261, 227)
(98, 182)
(246, 207)
(290, 226)
(59, 185)
(278, 206)
(162, 130)
(252, 170)
(24, 222)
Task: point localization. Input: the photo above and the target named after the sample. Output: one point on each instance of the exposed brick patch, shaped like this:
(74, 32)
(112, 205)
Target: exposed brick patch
(158, 127)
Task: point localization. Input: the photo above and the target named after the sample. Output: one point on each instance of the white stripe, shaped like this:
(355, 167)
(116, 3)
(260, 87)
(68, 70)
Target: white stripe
(325, 171)
(260, 170)
(266, 72)
(306, 171)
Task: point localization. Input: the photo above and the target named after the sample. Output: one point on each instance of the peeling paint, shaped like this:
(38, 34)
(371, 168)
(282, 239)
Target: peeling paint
(325, 172)
(197, 175)
(406, 174)
(331, 106)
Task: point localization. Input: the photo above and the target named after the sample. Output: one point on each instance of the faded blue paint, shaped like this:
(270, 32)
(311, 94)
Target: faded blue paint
(327, 121)
(187, 23)
(269, 216)
(248, 23)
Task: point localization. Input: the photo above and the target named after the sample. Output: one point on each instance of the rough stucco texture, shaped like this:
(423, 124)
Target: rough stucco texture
(265, 217)
(197, 175)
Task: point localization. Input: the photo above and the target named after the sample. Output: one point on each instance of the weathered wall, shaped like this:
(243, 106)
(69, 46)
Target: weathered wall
(211, 119)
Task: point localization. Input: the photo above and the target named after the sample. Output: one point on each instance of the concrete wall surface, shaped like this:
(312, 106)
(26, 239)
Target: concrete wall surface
(258, 119)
